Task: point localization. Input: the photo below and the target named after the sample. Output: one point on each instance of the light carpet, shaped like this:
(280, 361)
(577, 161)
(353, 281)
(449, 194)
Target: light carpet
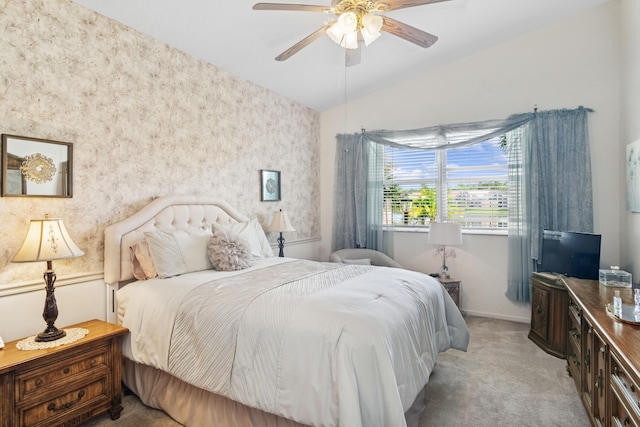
(503, 380)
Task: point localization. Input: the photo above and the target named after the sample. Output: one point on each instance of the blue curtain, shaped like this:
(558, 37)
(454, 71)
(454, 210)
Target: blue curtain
(554, 181)
(359, 195)
(350, 213)
(549, 182)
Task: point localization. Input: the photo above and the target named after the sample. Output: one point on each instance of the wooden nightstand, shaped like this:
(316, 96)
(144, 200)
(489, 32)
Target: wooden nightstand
(453, 288)
(64, 385)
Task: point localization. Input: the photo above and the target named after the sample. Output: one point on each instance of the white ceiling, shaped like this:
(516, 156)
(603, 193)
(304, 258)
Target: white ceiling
(238, 39)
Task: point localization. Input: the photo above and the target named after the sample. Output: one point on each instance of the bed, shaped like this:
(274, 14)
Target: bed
(267, 341)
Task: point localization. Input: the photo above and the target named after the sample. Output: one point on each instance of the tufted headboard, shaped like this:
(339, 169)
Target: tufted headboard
(166, 214)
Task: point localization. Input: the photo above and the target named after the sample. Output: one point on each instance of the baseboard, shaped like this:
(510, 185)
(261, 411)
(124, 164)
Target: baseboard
(498, 316)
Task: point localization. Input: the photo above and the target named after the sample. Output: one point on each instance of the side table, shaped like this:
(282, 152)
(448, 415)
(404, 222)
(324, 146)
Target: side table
(452, 285)
(65, 385)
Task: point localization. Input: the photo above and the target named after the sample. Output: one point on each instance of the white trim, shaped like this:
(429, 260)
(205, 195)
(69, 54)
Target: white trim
(38, 284)
(497, 316)
(298, 242)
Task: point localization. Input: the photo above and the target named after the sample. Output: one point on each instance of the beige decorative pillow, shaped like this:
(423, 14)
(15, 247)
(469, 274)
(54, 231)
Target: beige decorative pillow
(228, 252)
(143, 265)
(253, 234)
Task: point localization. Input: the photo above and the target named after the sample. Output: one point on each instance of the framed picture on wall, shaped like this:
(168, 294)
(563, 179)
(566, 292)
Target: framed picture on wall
(633, 176)
(270, 185)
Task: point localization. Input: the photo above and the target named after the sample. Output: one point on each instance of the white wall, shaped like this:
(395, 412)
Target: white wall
(630, 125)
(78, 300)
(573, 62)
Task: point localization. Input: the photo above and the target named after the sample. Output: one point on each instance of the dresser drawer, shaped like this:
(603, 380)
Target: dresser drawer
(47, 377)
(68, 404)
(625, 388)
(574, 362)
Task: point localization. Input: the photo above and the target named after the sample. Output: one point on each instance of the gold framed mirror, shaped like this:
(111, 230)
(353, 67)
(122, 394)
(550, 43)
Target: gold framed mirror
(33, 167)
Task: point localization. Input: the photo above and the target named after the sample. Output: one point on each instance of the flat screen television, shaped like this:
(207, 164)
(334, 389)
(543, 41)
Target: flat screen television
(570, 253)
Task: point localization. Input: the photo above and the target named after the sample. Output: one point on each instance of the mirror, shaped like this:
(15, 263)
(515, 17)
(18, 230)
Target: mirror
(33, 167)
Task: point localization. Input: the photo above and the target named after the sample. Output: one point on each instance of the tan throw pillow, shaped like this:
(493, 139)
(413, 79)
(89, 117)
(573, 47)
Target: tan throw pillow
(228, 252)
(143, 266)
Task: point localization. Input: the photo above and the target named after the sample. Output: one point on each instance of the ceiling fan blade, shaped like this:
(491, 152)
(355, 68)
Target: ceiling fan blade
(285, 6)
(302, 43)
(353, 56)
(407, 32)
(386, 5)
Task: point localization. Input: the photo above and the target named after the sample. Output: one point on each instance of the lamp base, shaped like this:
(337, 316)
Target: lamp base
(50, 314)
(50, 335)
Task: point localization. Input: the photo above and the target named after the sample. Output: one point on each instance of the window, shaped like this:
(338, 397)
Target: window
(467, 185)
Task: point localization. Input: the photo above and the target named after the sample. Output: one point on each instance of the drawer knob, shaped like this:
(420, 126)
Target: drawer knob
(38, 382)
(53, 407)
(66, 370)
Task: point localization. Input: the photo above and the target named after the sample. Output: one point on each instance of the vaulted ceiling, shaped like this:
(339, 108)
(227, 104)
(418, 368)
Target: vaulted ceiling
(243, 41)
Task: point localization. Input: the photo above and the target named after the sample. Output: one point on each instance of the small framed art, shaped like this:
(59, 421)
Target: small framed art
(270, 185)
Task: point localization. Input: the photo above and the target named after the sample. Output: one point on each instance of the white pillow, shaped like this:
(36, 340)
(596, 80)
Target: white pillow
(253, 234)
(178, 252)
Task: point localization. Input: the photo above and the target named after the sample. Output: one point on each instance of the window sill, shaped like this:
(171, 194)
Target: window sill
(410, 229)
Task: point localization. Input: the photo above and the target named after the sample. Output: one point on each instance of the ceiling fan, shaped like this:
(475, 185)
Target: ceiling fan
(357, 21)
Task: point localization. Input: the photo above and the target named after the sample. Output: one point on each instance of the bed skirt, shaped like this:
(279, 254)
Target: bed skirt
(193, 406)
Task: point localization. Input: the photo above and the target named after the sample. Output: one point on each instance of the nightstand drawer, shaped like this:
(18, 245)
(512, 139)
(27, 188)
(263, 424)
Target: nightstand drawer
(80, 398)
(48, 376)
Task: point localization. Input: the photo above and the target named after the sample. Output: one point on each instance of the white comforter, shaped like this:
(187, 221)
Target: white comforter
(343, 346)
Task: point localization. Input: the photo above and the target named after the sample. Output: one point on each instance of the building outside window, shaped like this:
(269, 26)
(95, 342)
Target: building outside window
(467, 185)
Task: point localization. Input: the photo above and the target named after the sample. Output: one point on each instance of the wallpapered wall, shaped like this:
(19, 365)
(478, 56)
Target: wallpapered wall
(145, 120)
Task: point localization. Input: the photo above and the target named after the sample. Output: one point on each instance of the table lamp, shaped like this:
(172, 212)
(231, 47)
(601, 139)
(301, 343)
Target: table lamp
(279, 224)
(445, 234)
(46, 240)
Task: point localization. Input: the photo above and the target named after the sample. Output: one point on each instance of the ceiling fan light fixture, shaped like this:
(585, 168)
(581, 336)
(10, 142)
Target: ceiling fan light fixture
(371, 26)
(344, 31)
(348, 22)
(335, 33)
(350, 40)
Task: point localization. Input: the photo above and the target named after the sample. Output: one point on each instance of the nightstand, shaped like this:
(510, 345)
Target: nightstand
(453, 288)
(64, 385)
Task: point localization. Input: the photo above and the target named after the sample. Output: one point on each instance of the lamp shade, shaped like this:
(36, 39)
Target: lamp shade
(46, 240)
(281, 222)
(444, 233)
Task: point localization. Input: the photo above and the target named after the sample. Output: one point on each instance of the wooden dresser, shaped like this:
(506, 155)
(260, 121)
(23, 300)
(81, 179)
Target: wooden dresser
(64, 385)
(603, 354)
(549, 313)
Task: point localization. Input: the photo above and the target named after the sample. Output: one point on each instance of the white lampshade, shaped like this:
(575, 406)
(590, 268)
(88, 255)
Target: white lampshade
(371, 26)
(348, 21)
(281, 222)
(444, 233)
(46, 240)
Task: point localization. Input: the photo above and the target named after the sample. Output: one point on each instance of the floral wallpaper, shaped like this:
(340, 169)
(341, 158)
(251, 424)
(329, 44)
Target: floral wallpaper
(145, 120)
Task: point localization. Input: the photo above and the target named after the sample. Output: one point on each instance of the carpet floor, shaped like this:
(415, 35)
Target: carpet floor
(503, 380)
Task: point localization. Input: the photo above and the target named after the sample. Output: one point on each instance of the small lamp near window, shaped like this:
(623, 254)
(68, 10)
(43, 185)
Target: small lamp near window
(445, 234)
(279, 224)
(47, 240)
